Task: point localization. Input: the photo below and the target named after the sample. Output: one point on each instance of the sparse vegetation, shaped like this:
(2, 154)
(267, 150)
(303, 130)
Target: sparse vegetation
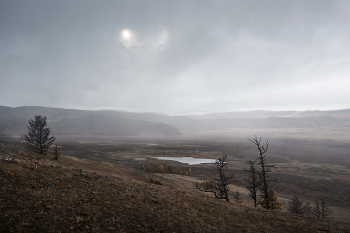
(39, 194)
(38, 138)
(165, 169)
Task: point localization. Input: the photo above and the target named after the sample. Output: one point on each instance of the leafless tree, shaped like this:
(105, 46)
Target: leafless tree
(296, 206)
(56, 152)
(238, 197)
(307, 209)
(321, 210)
(265, 169)
(222, 180)
(218, 185)
(253, 181)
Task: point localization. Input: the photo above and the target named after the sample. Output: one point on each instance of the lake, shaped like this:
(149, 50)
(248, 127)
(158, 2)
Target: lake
(188, 160)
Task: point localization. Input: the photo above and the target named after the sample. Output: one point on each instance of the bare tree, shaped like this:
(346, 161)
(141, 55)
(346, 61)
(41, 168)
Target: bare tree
(253, 181)
(38, 138)
(56, 152)
(296, 206)
(238, 197)
(218, 185)
(316, 210)
(307, 209)
(321, 210)
(264, 170)
(222, 180)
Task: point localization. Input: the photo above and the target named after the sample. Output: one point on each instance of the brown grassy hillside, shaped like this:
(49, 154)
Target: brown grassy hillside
(38, 194)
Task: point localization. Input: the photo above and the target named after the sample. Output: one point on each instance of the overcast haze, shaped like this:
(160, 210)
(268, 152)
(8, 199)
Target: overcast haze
(175, 57)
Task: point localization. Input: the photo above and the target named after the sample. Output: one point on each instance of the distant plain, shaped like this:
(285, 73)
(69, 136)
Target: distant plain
(311, 163)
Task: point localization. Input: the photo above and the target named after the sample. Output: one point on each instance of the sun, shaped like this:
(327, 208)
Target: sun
(126, 34)
(127, 37)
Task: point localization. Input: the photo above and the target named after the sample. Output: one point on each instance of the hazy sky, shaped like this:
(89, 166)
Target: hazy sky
(175, 57)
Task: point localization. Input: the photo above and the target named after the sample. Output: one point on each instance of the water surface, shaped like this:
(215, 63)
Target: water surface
(188, 160)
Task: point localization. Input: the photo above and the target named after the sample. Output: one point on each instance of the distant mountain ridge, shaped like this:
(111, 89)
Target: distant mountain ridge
(82, 122)
(255, 114)
(122, 123)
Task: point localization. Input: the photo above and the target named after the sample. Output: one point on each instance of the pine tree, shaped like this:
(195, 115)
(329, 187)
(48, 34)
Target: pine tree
(271, 202)
(177, 170)
(38, 138)
(149, 169)
(160, 169)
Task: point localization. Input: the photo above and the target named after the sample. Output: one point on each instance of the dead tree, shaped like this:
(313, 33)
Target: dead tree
(238, 197)
(265, 169)
(321, 210)
(307, 209)
(218, 185)
(296, 206)
(56, 152)
(222, 180)
(253, 181)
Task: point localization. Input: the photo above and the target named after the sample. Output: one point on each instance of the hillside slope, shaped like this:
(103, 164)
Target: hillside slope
(15, 121)
(80, 122)
(39, 194)
(110, 125)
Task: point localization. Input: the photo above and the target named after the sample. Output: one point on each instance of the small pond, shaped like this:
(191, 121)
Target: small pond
(188, 160)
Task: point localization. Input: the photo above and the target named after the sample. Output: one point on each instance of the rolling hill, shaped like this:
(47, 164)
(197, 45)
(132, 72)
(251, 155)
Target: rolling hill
(14, 121)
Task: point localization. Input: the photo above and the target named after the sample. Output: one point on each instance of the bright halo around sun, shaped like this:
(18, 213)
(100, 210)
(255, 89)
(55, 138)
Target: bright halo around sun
(127, 38)
(126, 34)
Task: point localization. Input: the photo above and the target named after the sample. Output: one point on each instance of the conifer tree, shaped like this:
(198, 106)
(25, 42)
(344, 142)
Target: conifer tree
(160, 169)
(38, 138)
(271, 202)
(177, 170)
(149, 169)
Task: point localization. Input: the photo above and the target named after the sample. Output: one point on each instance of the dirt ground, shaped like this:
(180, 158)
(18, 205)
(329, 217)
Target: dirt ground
(312, 164)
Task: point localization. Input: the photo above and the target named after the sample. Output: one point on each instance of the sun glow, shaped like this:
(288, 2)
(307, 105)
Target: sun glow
(126, 34)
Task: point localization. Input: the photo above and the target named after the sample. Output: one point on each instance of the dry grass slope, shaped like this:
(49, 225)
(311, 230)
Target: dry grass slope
(38, 194)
